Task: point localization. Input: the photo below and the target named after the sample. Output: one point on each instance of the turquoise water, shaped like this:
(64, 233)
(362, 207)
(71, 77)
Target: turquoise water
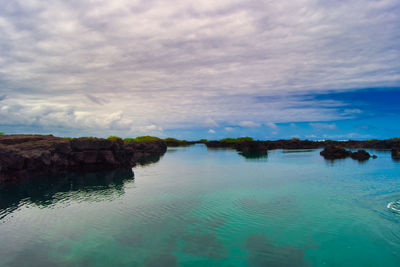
(199, 207)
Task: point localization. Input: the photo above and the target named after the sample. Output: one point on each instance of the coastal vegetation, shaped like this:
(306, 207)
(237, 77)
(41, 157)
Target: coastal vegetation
(171, 139)
(114, 138)
(237, 140)
(146, 138)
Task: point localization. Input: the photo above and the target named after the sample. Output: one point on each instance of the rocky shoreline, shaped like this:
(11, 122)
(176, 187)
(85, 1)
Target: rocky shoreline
(264, 146)
(24, 156)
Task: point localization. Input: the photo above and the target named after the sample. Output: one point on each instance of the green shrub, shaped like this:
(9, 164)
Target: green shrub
(244, 139)
(1, 133)
(171, 139)
(146, 138)
(228, 140)
(114, 138)
(236, 140)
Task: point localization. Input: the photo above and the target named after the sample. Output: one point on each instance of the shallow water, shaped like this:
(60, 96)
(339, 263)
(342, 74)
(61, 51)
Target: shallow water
(199, 207)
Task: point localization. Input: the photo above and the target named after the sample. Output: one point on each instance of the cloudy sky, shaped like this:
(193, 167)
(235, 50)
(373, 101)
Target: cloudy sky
(193, 69)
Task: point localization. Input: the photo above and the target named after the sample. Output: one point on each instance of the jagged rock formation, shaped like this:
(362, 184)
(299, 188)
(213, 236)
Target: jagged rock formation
(334, 152)
(360, 155)
(26, 155)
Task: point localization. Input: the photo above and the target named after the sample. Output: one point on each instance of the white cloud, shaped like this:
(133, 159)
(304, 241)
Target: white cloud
(228, 129)
(211, 131)
(105, 66)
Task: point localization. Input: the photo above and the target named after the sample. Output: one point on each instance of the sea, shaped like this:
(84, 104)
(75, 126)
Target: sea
(209, 207)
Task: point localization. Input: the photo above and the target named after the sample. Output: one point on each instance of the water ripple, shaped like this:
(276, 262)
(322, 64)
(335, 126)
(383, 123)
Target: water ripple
(394, 206)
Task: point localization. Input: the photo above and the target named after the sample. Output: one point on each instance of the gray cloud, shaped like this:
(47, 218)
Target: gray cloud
(150, 66)
(97, 100)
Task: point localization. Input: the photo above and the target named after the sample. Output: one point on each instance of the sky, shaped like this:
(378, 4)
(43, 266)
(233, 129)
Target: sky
(201, 69)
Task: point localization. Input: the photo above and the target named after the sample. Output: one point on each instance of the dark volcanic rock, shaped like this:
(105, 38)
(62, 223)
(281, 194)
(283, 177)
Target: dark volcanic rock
(22, 156)
(396, 153)
(308, 144)
(251, 147)
(147, 149)
(333, 152)
(177, 143)
(218, 144)
(360, 155)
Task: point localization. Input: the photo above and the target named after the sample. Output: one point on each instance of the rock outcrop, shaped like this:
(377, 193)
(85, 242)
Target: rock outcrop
(334, 149)
(360, 155)
(27, 155)
(334, 152)
(396, 153)
(172, 142)
(308, 144)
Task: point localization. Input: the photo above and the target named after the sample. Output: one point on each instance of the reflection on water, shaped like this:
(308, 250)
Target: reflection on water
(44, 191)
(254, 155)
(288, 151)
(143, 161)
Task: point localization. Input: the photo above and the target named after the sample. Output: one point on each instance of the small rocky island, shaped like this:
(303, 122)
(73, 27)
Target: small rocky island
(334, 152)
(23, 156)
(332, 149)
